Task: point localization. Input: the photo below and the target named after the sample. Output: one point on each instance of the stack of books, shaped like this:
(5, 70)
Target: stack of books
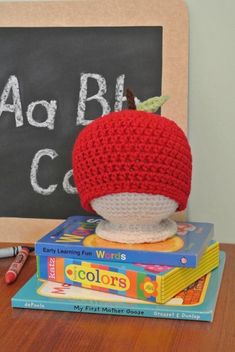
(178, 278)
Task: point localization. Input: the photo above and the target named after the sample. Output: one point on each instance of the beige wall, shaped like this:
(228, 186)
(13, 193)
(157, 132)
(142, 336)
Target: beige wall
(212, 114)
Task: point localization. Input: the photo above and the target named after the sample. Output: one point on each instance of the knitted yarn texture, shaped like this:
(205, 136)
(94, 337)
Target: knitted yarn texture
(135, 217)
(126, 233)
(135, 152)
(134, 208)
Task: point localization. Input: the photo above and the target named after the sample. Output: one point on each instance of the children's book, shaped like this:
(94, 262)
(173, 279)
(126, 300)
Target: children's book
(76, 238)
(154, 283)
(197, 302)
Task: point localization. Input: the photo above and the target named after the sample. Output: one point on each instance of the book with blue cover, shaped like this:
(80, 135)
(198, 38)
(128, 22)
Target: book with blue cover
(76, 238)
(154, 283)
(197, 302)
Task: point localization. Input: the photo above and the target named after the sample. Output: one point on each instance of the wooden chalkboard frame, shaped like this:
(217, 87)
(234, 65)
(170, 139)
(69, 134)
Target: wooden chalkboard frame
(172, 15)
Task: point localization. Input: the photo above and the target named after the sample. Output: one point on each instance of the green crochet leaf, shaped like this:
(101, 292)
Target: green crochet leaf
(152, 104)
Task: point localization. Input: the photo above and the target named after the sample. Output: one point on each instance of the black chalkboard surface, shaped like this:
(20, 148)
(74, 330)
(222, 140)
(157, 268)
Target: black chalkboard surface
(53, 81)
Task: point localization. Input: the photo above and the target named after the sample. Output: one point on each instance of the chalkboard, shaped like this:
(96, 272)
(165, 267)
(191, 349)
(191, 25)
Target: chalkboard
(54, 81)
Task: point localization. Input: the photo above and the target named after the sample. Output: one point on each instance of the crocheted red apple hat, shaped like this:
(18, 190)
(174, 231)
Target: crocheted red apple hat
(132, 151)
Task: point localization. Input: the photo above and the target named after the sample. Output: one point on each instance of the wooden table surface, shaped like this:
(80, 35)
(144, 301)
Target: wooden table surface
(34, 330)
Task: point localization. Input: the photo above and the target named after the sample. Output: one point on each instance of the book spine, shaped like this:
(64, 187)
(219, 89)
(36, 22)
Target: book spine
(95, 307)
(115, 255)
(101, 277)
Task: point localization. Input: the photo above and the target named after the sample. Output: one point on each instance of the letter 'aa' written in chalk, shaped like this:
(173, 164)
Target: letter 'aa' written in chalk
(12, 88)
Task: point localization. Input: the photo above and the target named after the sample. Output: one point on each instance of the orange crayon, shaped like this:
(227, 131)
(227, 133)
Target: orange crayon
(17, 265)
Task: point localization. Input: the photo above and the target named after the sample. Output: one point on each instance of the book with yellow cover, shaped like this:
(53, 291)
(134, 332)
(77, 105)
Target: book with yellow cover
(154, 283)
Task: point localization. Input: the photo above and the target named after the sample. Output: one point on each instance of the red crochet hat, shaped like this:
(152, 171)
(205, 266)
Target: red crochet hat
(132, 151)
